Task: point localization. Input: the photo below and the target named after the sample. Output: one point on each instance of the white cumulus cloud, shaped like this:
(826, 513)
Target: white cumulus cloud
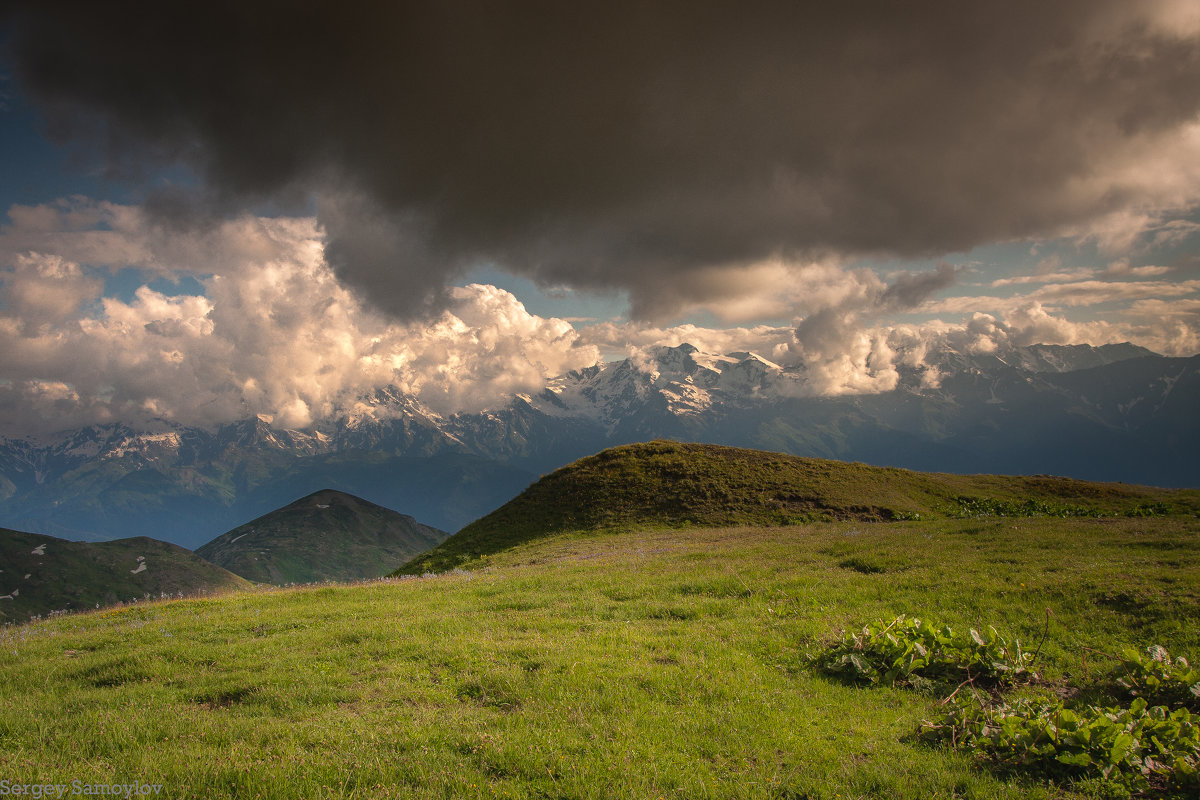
(274, 332)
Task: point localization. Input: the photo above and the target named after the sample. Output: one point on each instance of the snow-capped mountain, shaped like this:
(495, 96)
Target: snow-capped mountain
(1116, 412)
(681, 380)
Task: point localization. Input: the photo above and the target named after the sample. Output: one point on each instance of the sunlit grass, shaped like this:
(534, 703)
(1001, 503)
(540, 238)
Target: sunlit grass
(660, 664)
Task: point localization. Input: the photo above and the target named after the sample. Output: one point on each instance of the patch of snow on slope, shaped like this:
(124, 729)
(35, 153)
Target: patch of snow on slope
(686, 398)
(714, 362)
(142, 443)
(1125, 408)
(84, 450)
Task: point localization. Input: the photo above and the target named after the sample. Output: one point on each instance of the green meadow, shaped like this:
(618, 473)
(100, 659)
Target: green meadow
(661, 663)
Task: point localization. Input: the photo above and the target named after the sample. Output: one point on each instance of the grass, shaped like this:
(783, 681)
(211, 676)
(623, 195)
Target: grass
(670, 484)
(636, 664)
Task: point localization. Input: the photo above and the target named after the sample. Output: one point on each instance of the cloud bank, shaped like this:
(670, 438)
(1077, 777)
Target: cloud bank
(247, 317)
(274, 332)
(665, 148)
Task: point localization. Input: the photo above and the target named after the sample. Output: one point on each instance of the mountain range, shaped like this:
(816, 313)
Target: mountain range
(1111, 413)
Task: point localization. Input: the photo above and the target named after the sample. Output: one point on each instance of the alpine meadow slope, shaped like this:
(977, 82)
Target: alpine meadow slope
(630, 661)
(672, 484)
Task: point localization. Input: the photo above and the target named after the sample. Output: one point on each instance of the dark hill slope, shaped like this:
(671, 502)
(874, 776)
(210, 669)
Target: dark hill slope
(40, 574)
(328, 535)
(669, 484)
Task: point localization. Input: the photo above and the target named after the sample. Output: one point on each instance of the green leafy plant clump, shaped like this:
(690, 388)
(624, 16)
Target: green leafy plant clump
(968, 507)
(1158, 678)
(1140, 749)
(917, 652)
(1151, 746)
(992, 507)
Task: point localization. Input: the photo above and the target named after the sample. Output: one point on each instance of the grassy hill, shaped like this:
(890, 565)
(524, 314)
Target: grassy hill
(637, 664)
(597, 657)
(328, 535)
(40, 574)
(669, 484)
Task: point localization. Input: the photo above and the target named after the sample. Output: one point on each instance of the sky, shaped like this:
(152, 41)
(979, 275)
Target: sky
(210, 211)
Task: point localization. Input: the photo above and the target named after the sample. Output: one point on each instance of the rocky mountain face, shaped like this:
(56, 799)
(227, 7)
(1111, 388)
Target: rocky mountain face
(1116, 412)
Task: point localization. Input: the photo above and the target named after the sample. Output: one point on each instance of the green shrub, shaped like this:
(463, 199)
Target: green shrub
(1141, 748)
(992, 507)
(1151, 746)
(1158, 678)
(917, 652)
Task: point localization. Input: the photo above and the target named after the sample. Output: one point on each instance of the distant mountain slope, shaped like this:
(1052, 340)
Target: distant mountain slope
(328, 535)
(40, 574)
(670, 484)
(1069, 358)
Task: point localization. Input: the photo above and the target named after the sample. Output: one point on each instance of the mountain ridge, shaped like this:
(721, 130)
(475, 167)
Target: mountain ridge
(1115, 412)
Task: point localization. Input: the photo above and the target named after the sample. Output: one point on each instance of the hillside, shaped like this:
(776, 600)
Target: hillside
(641, 664)
(328, 535)
(670, 484)
(40, 574)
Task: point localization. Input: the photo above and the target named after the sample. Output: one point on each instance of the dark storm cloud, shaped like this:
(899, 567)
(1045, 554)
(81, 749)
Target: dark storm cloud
(596, 144)
(910, 290)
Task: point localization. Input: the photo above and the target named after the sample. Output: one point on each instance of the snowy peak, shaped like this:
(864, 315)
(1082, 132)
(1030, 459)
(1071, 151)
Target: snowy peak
(750, 374)
(686, 363)
(681, 381)
(388, 403)
(258, 434)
